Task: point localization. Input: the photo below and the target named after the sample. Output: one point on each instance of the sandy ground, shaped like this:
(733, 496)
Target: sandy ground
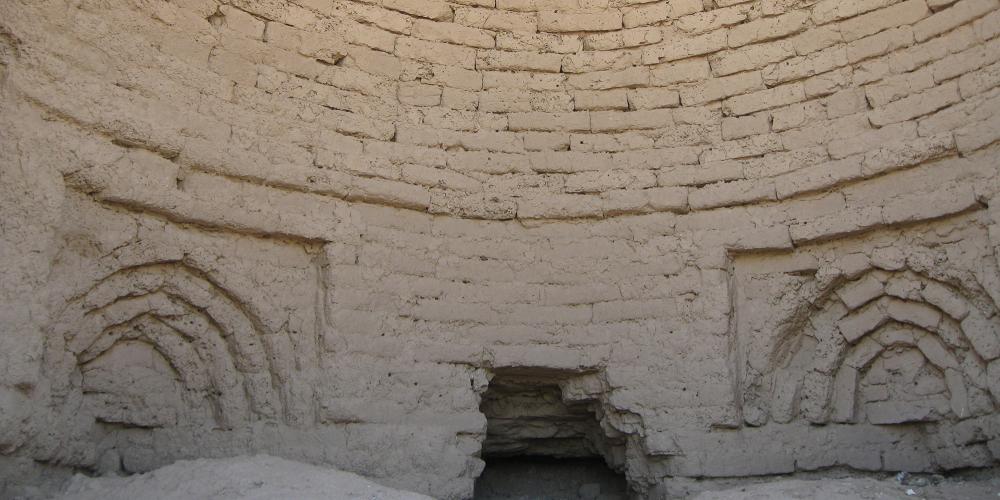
(252, 478)
(263, 477)
(863, 488)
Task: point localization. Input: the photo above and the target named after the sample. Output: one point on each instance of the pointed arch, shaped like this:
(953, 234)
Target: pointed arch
(212, 341)
(816, 368)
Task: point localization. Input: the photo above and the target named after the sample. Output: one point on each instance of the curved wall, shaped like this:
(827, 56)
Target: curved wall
(756, 237)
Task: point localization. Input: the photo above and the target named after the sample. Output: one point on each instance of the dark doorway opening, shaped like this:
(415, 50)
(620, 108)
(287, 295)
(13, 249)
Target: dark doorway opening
(546, 439)
(533, 478)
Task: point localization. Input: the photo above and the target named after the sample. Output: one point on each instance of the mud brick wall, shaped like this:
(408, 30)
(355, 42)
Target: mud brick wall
(750, 237)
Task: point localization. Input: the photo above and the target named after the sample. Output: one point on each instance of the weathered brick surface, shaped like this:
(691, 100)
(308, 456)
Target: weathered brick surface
(767, 28)
(432, 9)
(335, 222)
(719, 88)
(656, 12)
(765, 99)
(903, 13)
(579, 21)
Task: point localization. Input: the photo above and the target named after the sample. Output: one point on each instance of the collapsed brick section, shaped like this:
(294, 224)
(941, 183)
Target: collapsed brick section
(544, 428)
(526, 415)
(762, 235)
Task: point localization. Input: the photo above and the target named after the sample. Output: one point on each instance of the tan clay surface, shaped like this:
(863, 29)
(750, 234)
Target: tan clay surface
(697, 238)
(244, 478)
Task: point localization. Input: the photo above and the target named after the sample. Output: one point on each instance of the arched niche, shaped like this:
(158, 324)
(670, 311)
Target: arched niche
(883, 348)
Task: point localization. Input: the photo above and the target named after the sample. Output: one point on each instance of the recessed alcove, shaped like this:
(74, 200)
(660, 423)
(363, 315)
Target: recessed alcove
(545, 440)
